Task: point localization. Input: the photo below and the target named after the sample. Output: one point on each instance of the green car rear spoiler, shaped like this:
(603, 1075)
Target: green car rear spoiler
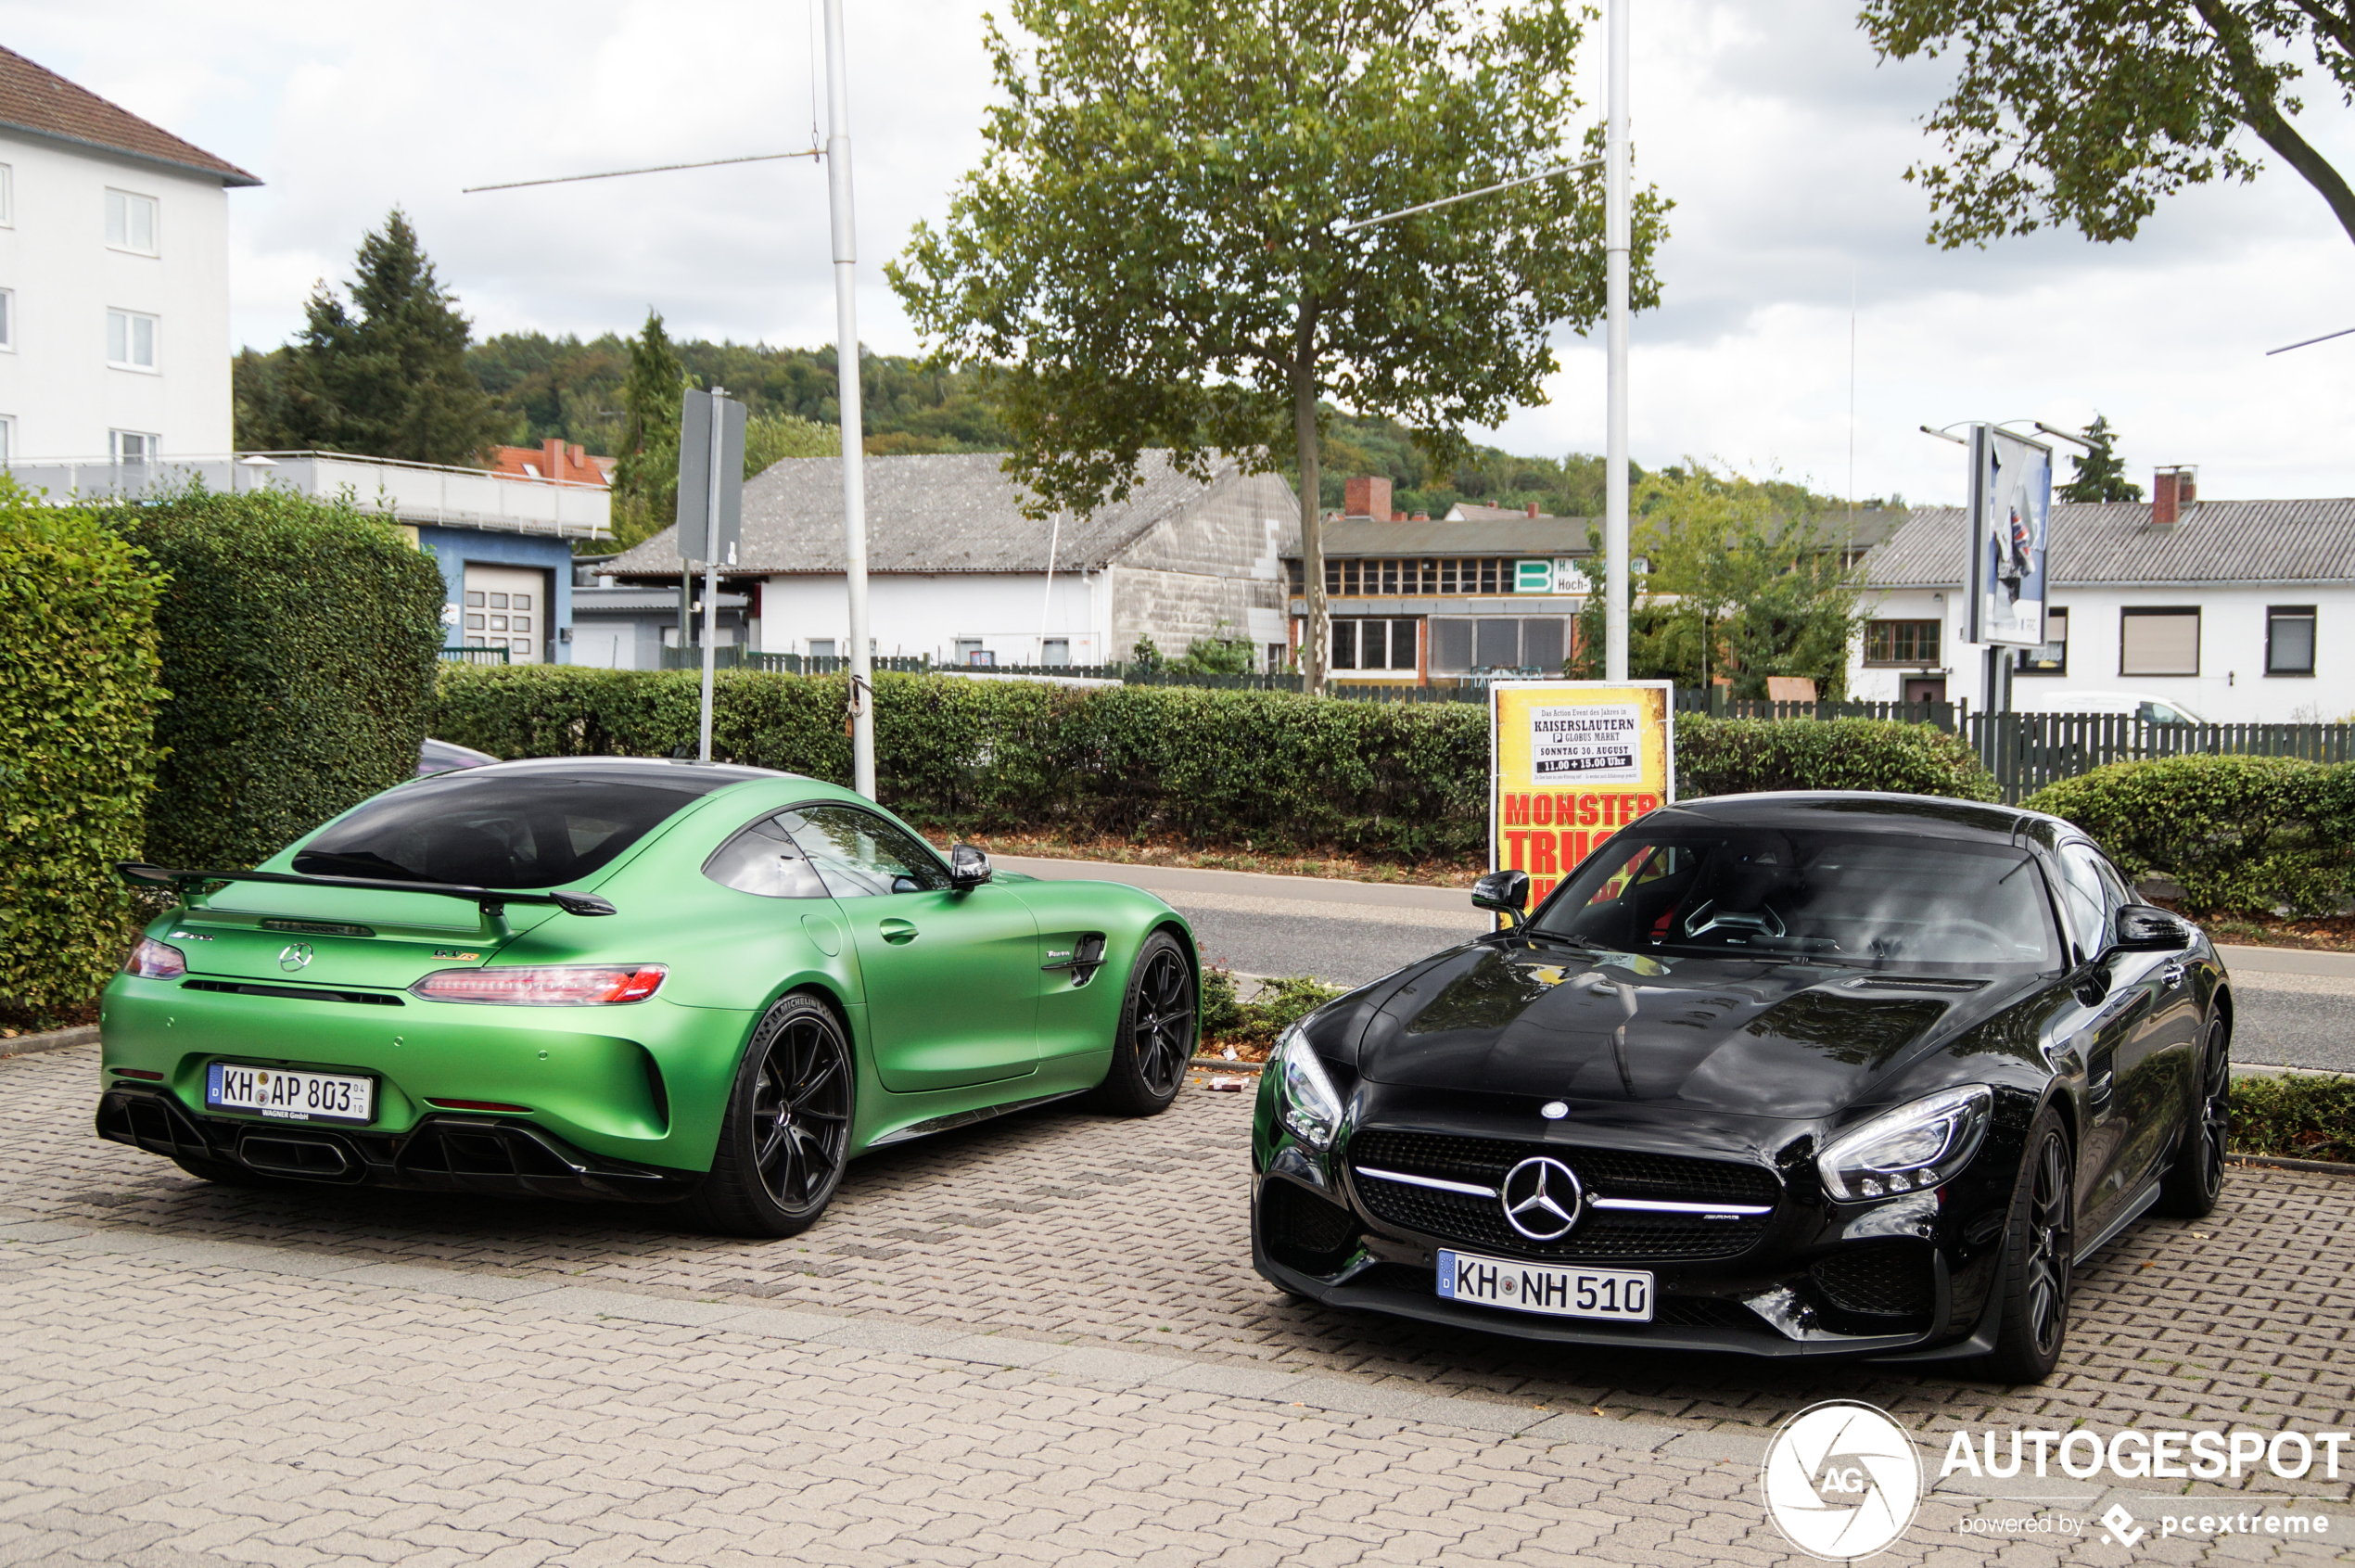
(494, 901)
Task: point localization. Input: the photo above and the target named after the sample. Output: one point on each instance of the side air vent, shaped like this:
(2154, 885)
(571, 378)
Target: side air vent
(1914, 983)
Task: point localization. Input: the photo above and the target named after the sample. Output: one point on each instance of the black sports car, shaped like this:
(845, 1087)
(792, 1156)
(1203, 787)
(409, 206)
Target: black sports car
(1788, 1075)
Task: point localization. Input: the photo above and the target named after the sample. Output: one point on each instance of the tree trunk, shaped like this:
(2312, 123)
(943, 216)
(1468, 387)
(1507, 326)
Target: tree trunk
(1314, 636)
(2261, 115)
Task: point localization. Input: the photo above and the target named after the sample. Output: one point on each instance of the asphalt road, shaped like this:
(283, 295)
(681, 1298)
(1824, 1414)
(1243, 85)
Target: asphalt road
(2296, 1008)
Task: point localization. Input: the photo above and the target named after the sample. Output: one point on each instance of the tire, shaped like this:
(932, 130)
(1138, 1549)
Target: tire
(1160, 1020)
(229, 1173)
(2040, 1245)
(785, 1135)
(2195, 1179)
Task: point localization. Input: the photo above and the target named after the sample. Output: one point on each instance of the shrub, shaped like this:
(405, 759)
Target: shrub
(2300, 1116)
(2254, 833)
(1737, 756)
(78, 695)
(299, 640)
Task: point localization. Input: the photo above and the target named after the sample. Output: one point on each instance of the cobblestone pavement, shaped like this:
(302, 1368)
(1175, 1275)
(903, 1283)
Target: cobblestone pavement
(1034, 1341)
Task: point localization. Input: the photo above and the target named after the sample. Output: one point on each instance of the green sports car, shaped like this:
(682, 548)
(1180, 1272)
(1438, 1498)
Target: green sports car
(624, 978)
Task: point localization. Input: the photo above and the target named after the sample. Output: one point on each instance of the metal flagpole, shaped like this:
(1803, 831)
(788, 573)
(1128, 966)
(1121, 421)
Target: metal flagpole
(1616, 241)
(712, 488)
(854, 474)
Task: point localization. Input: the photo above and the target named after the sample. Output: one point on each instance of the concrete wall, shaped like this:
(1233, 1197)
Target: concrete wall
(2231, 688)
(1221, 559)
(452, 548)
(55, 385)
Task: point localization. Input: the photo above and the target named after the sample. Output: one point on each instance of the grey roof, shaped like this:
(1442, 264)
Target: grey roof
(1518, 535)
(950, 513)
(2114, 542)
(638, 601)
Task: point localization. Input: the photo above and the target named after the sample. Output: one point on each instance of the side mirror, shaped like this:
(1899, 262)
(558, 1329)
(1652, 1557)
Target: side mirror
(1506, 892)
(2144, 929)
(968, 867)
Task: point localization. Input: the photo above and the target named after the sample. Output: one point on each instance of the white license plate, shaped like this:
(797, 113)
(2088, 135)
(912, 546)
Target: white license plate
(1623, 1295)
(289, 1094)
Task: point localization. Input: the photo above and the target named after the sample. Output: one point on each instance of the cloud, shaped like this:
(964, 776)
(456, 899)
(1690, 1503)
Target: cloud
(1781, 139)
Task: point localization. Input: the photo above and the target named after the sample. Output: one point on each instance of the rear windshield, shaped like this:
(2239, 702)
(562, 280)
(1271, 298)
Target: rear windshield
(1853, 897)
(501, 830)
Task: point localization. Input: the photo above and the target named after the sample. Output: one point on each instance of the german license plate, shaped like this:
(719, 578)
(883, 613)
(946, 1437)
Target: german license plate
(289, 1094)
(1621, 1295)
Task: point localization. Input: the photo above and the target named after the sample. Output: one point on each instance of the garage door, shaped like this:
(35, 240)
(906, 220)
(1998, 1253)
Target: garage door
(507, 607)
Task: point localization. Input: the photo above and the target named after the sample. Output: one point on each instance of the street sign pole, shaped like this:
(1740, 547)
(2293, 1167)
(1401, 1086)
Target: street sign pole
(1617, 239)
(854, 474)
(710, 520)
(711, 574)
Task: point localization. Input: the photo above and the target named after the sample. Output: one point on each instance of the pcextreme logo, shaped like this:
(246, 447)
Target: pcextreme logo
(1843, 1480)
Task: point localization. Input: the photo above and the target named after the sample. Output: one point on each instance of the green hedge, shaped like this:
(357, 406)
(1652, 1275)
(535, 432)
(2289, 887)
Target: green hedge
(1737, 756)
(299, 640)
(2301, 1116)
(2258, 835)
(1274, 768)
(78, 696)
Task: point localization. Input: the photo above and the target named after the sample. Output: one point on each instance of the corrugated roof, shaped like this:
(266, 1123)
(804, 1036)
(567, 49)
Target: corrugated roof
(2114, 542)
(947, 513)
(40, 101)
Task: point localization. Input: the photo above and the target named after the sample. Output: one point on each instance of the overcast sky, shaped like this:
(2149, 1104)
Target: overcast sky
(1780, 139)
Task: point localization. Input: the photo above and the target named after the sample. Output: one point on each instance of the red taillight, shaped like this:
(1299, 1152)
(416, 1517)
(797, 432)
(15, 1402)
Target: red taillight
(545, 986)
(152, 961)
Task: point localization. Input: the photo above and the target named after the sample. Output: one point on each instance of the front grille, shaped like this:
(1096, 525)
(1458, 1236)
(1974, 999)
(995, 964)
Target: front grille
(1880, 1279)
(1604, 1173)
(1304, 1230)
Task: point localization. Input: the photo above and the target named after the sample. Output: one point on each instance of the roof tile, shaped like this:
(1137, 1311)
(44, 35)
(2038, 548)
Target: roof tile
(39, 100)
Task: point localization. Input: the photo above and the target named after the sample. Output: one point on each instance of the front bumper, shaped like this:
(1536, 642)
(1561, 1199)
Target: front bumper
(483, 1156)
(1800, 1281)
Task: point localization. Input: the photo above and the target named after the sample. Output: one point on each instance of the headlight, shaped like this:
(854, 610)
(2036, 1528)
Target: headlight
(1311, 1106)
(1905, 1149)
(544, 985)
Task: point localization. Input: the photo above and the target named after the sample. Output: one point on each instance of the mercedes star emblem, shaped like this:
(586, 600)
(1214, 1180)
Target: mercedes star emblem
(292, 956)
(1542, 1199)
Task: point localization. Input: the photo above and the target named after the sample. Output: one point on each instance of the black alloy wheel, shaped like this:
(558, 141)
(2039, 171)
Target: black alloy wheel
(2195, 1179)
(2039, 1254)
(1159, 1023)
(785, 1136)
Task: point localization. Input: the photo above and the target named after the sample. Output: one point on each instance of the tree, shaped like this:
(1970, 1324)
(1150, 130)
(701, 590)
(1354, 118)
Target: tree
(2086, 112)
(2098, 475)
(646, 478)
(388, 377)
(772, 437)
(1147, 248)
(1743, 584)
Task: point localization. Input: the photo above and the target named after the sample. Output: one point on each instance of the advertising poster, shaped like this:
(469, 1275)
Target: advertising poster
(1571, 763)
(2011, 499)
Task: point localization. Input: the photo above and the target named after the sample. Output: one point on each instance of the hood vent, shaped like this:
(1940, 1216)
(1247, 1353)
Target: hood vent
(1913, 983)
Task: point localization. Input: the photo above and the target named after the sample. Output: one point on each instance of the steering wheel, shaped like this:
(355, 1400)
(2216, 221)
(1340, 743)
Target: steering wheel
(1999, 940)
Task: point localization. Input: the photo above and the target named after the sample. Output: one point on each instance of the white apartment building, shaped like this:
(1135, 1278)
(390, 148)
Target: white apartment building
(114, 279)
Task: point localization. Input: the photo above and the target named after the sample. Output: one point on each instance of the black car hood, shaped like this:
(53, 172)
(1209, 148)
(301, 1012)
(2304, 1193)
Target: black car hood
(1744, 1035)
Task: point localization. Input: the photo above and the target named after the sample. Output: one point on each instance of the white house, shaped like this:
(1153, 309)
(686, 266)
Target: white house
(114, 279)
(2243, 611)
(958, 573)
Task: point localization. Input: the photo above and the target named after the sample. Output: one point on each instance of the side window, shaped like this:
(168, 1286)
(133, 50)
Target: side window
(2115, 894)
(2085, 901)
(763, 858)
(859, 855)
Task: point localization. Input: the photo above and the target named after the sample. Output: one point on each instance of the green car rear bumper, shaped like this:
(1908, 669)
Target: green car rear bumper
(608, 1097)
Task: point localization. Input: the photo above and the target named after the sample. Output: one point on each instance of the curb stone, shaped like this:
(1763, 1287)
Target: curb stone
(55, 1040)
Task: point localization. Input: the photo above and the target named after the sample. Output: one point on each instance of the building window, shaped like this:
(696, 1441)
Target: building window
(9, 319)
(1385, 644)
(8, 439)
(822, 648)
(132, 446)
(970, 651)
(130, 340)
(1054, 652)
(2158, 642)
(131, 223)
(2050, 656)
(2289, 640)
(8, 196)
(1901, 642)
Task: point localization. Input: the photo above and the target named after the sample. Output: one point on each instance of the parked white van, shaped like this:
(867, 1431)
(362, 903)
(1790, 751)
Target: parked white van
(2138, 705)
